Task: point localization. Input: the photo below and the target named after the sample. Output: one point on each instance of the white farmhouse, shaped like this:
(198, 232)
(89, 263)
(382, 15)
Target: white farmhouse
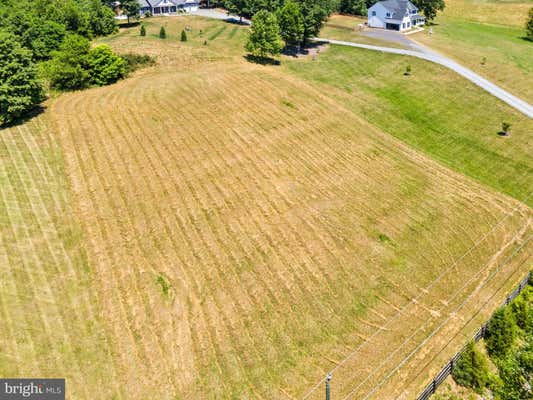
(397, 15)
(167, 7)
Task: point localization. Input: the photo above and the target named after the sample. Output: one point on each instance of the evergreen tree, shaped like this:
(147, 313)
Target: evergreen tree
(143, 30)
(291, 23)
(20, 90)
(183, 36)
(104, 66)
(264, 39)
(162, 33)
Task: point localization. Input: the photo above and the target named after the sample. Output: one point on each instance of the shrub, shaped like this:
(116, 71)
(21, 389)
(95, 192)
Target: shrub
(183, 36)
(529, 25)
(471, 369)
(105, 67)
(162, 33)
(501, 333)
(143, 30)
(505, 127)
(147, 14)
(20, 90)
(522, 309)
(137, 61)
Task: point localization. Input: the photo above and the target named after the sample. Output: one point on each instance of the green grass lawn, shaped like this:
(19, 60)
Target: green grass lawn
(433, 110)
(498, 52)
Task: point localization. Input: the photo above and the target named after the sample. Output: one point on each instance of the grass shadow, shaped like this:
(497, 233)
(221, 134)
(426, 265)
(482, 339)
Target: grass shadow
(34, 112)
(261, 60)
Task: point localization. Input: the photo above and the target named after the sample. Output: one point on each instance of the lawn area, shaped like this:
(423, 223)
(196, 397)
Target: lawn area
(210, 228)
(427, 111)
(491, 46)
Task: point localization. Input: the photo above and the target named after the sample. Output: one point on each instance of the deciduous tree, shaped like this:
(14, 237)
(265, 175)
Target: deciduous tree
(20, 89)
(430, 7)
(265, 39)
(291, 24)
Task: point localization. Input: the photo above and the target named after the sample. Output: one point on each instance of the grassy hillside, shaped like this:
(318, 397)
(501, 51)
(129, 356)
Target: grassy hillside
(433, 110)
(471, 31)
(50, 312)
(246, 226)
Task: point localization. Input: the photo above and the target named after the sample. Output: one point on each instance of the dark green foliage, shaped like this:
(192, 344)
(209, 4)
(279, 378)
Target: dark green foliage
(264, 39)
(471, 369)
(44, 38)
(143, 30)
(515, 379)
(529, 25)
(429, 7)
(242, 8)
(162, 33)
(522, 308)
(357, 7)
(291, 23)
(68, 68)
(105, 67)
(137, 61)
(183, 36)
(501, 333)
(315, 13)
(20, 90)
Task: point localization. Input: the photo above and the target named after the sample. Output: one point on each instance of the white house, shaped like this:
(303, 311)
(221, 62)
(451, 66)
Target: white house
(397, 15)
(167, 7)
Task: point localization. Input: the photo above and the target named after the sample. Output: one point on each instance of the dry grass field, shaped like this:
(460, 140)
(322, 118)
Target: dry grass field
(488, 37)
(215, 229)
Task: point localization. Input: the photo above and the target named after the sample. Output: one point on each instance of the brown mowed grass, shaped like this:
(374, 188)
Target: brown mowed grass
(247, 232)
(210, 228)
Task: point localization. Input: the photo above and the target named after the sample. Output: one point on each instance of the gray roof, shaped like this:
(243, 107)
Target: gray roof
(398, 8)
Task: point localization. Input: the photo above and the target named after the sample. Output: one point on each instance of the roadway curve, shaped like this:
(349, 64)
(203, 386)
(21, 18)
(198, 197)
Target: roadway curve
(426, 54)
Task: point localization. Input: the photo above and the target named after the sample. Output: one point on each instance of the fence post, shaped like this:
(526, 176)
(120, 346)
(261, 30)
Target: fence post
(328, 388)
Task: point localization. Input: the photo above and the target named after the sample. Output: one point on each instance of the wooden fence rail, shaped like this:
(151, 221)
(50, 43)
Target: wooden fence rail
(447, 370)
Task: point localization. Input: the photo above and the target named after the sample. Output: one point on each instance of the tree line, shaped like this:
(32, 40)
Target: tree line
(501, 366)
(47, 43)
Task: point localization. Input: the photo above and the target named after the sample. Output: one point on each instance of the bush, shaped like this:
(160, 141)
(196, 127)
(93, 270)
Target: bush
(67, 70)
(529, 25)
(147, 14)
(471, 369)
(501, 333)
(143, 30)
(183, 36)
(44, 38)
(20, 89)
(522, 309)
(105, 67)
(505, 127)
(162, 33)
(137, 61)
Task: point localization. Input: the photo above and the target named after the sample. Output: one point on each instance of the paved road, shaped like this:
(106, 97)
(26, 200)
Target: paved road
(216, 14)
(429, 55)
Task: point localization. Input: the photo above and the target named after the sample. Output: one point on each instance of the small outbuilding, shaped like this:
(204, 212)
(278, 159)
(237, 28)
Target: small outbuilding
(396, 15)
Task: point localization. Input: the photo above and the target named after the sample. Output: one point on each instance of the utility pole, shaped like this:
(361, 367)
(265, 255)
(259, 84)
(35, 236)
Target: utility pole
(328, 388)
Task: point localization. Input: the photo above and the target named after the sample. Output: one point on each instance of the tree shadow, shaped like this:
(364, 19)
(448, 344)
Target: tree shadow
(504, 134)
(527, 39)
(261, 60)
(131, 24)
(34, 112)
(304, 50)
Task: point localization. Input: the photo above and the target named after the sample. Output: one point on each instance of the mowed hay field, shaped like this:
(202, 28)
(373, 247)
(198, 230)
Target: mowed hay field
(488, 37)
(241, 229)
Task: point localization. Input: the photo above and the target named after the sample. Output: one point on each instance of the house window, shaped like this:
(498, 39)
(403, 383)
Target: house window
(388, 15)
(408, 24)
(403, 25)
(373, 13)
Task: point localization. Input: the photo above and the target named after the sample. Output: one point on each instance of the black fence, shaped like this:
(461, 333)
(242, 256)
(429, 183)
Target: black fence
(447, 370)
